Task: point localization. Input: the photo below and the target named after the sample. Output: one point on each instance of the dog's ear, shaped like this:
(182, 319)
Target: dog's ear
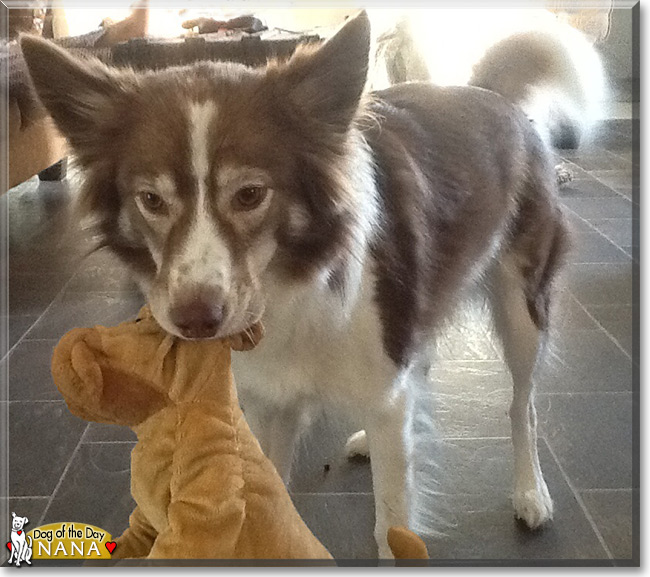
(82, 96)
(326, 84)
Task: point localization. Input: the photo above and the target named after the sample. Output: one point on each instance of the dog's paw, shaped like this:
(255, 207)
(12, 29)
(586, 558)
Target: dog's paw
(534, 507)
(383, 548)
(357, 445)
(384, 551)
(563, 174)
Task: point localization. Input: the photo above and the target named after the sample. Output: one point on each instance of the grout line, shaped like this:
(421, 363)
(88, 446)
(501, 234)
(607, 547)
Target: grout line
(38, 319)
(573, 393)
(26, 497)
(40, 339)
(63, 474)
(594, 229)
(581, 503)
(14, 401)
(593, 318)
(620, 194)
(133, 442)
(619, 157)
(443, 439)
(619, 489)
(328, 493)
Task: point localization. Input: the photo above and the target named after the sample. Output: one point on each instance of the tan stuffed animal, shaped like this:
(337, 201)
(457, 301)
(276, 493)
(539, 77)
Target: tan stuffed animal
(202, 485)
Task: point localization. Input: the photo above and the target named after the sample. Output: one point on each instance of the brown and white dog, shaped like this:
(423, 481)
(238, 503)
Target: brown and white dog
(350, 225)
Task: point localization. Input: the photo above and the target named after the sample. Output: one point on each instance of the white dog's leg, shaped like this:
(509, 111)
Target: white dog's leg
(389, 434)
(277, 429)
(357, 445)
(521, 343)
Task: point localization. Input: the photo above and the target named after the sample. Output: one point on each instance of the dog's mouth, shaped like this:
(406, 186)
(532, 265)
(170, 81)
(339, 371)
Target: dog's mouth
(207, 327)
(227, 334)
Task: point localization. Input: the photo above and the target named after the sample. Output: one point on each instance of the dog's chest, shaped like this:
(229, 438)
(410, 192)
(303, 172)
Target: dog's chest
(315, 349)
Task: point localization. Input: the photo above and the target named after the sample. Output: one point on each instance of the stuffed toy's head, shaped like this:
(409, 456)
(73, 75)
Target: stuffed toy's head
(125, 374)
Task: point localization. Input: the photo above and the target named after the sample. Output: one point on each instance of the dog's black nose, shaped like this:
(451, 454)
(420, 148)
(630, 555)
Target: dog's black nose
(197, 318)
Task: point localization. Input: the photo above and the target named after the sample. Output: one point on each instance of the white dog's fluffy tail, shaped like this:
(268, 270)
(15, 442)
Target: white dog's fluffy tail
(528, 55)
(556, 76)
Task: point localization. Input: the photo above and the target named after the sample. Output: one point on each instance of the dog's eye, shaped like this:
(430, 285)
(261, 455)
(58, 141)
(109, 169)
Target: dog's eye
(152, 202)
(249, 197)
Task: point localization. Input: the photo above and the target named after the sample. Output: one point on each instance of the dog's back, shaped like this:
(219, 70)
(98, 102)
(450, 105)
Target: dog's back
(462, 179)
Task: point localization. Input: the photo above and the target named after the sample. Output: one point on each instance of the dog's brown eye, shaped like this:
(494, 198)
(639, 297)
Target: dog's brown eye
(249, 197)
(152, 201)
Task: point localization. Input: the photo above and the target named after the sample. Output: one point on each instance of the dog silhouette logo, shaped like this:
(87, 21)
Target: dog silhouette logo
(20, 545)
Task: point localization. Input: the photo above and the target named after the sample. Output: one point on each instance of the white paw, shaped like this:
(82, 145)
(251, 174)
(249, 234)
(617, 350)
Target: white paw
(534, 507)
(357, 445)
(563, 174)
(383, 550)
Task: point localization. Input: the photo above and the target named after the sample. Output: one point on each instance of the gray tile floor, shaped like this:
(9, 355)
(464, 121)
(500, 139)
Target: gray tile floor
(62, 468)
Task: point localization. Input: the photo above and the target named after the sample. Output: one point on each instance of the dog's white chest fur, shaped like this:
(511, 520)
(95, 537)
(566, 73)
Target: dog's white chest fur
(316, 348)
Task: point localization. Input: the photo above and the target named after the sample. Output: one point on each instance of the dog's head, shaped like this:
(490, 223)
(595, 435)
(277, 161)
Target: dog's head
(209, 179)
(17, 523)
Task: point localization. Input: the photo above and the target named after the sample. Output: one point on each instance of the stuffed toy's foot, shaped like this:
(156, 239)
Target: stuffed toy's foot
(137, 540)
(405, 544)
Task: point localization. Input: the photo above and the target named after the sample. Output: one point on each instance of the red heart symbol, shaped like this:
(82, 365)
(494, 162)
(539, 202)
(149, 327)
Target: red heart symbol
(19, 532)
(9, 545)
(110, 545)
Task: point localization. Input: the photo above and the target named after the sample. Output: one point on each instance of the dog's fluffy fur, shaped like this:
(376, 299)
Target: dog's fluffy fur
(350, 225)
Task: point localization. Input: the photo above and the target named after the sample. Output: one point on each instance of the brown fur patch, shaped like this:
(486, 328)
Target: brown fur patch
(447, 194)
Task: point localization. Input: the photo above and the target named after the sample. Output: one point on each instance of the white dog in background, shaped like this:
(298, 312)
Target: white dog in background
(529, 55)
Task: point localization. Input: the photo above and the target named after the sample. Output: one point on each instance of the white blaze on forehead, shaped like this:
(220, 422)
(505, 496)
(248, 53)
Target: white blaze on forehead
(202, 115)
(204, 257)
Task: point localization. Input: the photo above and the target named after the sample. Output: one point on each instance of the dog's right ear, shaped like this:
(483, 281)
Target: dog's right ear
(82, 96)
(327, 83)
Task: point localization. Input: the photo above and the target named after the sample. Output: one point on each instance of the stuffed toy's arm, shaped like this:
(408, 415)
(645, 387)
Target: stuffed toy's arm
(137, 540)
(189, 535)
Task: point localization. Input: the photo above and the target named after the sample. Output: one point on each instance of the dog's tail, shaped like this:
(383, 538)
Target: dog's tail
(556, 77)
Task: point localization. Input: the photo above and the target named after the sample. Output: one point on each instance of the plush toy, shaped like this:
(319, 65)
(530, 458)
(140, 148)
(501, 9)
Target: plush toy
(202, 485)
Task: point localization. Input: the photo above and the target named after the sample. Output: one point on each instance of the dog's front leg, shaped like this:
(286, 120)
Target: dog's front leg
(277, 429)
(389, 435)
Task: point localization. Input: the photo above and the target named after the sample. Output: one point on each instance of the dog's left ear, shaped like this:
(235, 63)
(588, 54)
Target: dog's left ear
(82, 96)
(327, 84)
